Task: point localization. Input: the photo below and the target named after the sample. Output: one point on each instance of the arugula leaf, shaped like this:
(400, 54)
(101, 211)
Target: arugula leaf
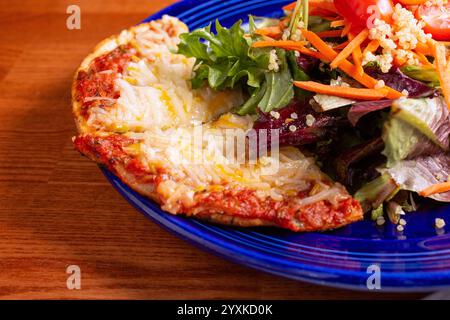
(298, 74)
(226, 60)
(251, 105)
(279, 86)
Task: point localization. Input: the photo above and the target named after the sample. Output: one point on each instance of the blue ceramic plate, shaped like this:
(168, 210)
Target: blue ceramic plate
(416, 260)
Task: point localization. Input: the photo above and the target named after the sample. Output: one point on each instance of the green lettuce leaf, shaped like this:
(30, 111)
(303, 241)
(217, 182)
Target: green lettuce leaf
(424, 74)
(374, 193)
(417, 139)
(416, 127)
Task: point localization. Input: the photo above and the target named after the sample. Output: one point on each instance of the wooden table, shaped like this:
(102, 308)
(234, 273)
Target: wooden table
(56, 208)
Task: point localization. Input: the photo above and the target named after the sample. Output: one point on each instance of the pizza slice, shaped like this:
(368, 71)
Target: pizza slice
(137, 115)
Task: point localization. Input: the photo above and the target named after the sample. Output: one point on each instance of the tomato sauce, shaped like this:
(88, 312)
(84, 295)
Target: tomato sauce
(98, 80)
(317, 216)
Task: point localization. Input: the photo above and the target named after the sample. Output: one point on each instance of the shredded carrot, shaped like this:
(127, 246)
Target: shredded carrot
(439, 53)
(412, 2)
(279, 44)
(311, 53)
(350, 48)
(329, 34)
(399, 61)
(344, 92)
(423, 48)
(341, 45)
(290, 6)
(371, 47)
(289, 45)
(445, 43)
(357, 56)
(423, 59)
(435, 188)
(329, 54)
(323, 4)
(346, 29)
(273, 32)
(357, 60)
(337, 23)
(283, 23)
(322, 8)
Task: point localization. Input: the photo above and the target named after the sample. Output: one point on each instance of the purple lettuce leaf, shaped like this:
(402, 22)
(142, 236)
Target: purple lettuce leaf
(345, 162)
(360, 109)
(307, 63)
(322, 126)
(399, 81)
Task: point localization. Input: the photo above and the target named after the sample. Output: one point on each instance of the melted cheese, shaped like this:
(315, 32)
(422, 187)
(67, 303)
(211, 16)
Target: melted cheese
(155, 90)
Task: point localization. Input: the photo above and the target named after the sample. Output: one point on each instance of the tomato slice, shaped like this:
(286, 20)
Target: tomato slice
(362, 12)
(437, 19)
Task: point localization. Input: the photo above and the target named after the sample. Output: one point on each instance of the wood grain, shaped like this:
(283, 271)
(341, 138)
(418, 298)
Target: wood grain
(56, 209)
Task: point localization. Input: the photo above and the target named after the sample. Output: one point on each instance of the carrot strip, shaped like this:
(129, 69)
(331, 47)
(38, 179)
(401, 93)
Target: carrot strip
(423, 59)
(423, 48)
(323, 4)
(273, 32)
(337, 23)
(346, 30)
(279, 44)
(341, 46)
(344, 92)
(355, 43)
(435, 188)
(317, 7)
(399, 61)
(357, 60)
(289, 45)
(283, 23)
(329, 54)
(311, 53)
(439, 53)
(290, 6)
(371, 47)
(412, 2)
(329, 34)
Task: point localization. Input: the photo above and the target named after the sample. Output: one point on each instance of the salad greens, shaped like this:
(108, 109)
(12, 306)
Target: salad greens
(228, 61)
(375, 192)
(300, 13)
(421, 172)
(416, 127)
